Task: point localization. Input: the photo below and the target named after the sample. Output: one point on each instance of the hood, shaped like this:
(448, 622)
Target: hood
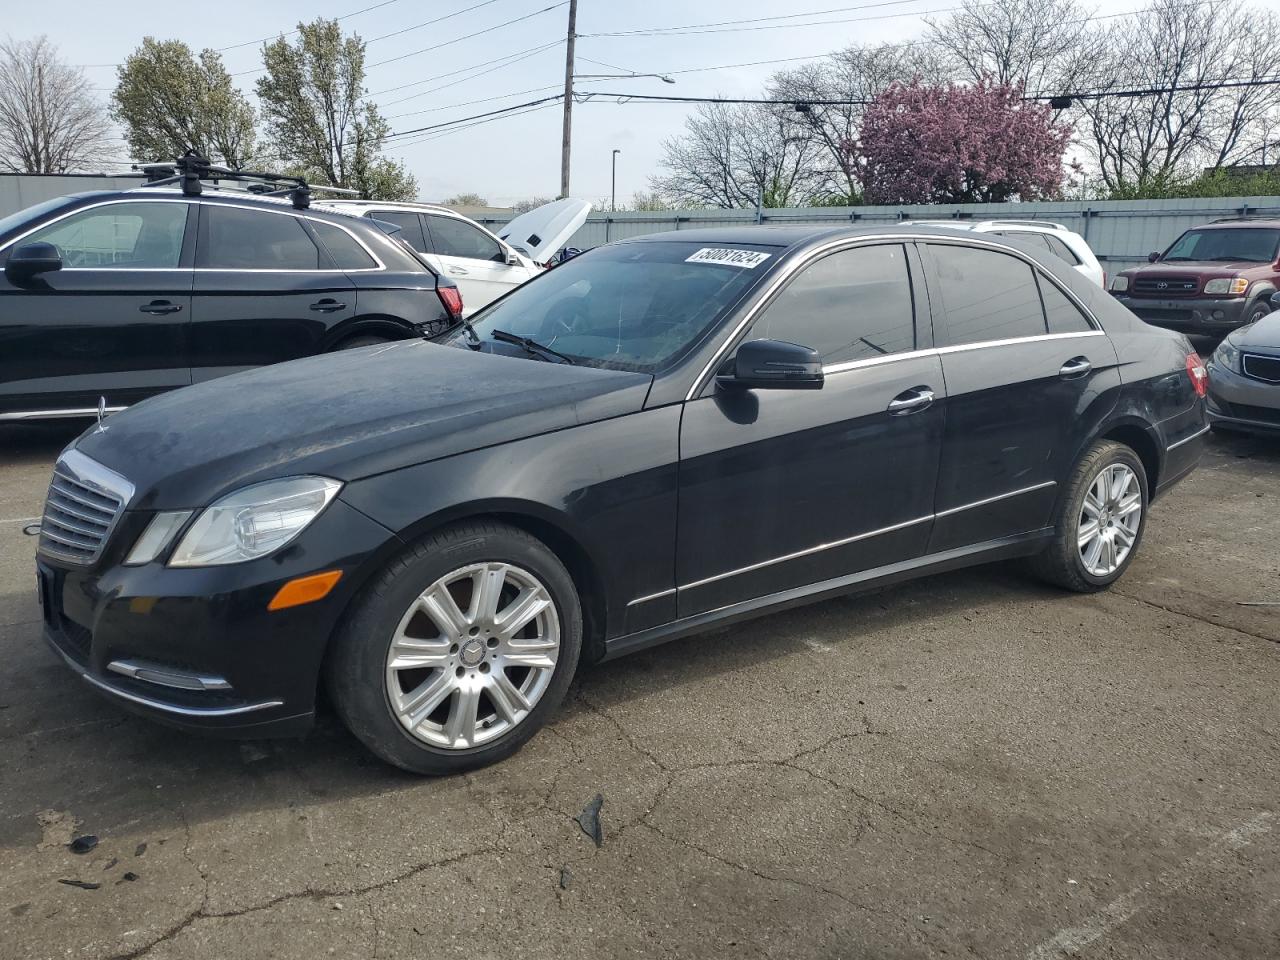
(1204, 269)
(347, 415)
(541, 232)
(1263, 336)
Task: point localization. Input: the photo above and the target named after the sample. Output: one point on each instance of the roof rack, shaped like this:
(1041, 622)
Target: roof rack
(1246, 217)
(1028, 223)
(192, 171)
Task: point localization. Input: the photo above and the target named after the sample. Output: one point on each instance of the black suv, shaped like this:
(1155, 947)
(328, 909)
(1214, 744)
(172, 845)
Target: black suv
(127, 293)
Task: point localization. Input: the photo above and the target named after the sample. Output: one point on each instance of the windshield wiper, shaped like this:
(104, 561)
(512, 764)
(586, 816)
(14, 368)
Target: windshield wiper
(531, 346)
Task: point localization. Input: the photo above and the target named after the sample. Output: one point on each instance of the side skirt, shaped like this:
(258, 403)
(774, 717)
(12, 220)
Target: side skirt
(990, 550)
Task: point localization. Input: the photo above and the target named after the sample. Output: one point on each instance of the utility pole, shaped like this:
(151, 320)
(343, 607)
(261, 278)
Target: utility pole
(613, 201)
(568, 98)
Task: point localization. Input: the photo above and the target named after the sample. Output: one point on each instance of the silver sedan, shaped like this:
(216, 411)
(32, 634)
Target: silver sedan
(1244, 378)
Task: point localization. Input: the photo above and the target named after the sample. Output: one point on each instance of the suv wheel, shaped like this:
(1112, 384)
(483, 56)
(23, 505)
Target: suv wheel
(1257, 312)
(459, 651)
(1100, 520)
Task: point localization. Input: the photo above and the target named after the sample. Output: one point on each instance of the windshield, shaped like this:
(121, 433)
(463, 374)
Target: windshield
(1249, 244)
(631, 306)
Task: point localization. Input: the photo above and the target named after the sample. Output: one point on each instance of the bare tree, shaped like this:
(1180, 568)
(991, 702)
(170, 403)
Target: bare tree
(1179, 54)
(733, 155)
(1045, 45)
(49, 119)
(854, 76)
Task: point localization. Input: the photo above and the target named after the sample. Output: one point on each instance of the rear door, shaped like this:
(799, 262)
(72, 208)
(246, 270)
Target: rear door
(783, 488)
(1025, 370)
(265, 290)
(111, 323)
(473, 259)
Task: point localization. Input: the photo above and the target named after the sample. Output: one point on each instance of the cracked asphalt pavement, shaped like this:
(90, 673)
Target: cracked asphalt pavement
(969, 766)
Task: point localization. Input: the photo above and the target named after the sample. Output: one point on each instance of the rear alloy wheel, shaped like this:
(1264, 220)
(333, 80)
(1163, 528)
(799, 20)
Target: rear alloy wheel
(1110, 519)
(1099, 520)
(459, 651)
(473, 655)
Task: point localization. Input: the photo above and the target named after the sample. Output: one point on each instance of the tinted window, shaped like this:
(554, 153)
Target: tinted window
(1250, 244)
(347, 254)
(634, 306)
(233, 238)
(848, 306)
(409, 223)
(457, 238)
(987, 295)
(119, 235)
(1060, 249)
(1063, 315)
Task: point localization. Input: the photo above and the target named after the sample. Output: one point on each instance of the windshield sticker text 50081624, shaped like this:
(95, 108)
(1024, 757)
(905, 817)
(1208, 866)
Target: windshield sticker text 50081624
(749, 259)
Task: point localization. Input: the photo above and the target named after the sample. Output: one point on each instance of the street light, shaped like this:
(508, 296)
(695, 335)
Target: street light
(622, 76)
(613, 197)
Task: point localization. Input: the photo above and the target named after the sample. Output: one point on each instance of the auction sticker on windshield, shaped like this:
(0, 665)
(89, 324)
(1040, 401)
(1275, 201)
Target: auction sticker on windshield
(750, 259)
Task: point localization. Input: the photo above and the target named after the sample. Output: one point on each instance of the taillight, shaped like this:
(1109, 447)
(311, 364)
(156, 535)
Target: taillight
(1198, 373)
(451, 297)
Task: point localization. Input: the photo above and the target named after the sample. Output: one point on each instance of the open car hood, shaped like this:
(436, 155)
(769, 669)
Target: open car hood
(541, 232)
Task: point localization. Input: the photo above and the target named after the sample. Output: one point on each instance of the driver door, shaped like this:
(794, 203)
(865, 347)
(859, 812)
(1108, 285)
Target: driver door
(780, 489)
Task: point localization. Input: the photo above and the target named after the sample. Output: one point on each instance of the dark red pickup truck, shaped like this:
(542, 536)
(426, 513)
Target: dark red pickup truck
(1211, 280)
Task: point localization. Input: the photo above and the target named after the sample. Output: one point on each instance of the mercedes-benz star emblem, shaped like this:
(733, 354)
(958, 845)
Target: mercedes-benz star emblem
(102, 414)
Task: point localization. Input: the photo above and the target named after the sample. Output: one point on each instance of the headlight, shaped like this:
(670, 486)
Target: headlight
(1227, 356)
(1226, 285)
(156, 537)
(253, 522)
(1119, 284)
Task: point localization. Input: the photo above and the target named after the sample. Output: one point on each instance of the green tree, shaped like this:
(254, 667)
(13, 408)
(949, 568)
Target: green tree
(318, 119)
(168, 102)
(467, 200)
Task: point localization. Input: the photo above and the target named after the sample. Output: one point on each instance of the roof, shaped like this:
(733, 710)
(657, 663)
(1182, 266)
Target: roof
(1241, 223)
(793, 235)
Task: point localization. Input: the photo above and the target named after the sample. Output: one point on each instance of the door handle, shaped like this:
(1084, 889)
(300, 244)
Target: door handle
(1075, 368)
(911, 401)
(458, 271)
(327, 306)
(160, 307)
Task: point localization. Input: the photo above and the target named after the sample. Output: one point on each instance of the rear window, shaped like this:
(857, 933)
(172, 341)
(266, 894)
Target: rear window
(234, 238)
(346, 252)
(1227, 245)
(630, 306)
(988, 295)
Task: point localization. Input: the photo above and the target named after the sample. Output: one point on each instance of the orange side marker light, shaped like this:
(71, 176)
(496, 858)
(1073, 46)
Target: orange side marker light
(308, 589)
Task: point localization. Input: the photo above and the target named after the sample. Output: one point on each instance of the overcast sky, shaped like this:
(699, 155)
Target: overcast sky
(513, 157)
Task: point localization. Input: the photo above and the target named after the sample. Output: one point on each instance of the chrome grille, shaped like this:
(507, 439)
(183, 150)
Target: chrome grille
(1262, 368)
(84, 502)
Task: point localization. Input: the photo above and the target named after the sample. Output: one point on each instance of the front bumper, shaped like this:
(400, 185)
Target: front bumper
(1241, 402)
(1212, 316)
(197, 648)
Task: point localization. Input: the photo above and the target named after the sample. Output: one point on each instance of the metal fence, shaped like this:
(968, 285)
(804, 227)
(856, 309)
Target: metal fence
(21, 190)
(1121, 232)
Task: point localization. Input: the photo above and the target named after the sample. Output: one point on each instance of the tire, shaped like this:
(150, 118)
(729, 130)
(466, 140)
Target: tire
(1256, 312)
(455, 656)
(1066, 561)
(361, 341)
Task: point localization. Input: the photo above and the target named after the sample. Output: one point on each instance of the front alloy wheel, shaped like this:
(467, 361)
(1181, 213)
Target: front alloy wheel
(459, 650)
(473, 655)
(1110, 518)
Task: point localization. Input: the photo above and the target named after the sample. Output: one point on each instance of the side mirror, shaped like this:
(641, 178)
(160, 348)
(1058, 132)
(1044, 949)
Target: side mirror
(1153, 257)
(30, 260)
(512, 259)
(772, 365)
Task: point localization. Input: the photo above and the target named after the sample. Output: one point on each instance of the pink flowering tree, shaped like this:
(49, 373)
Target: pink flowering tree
(959, 144)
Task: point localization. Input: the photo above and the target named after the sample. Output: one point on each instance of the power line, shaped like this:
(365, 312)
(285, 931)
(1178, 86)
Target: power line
(481, 73)
(427, 23)
(478, 116)
(468, 103)
(454, 73)
(446, 43)
(467, 126)
(725, 23)
(686, 32)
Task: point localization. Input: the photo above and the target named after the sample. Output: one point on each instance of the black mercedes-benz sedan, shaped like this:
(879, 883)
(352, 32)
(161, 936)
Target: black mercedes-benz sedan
(660, 436)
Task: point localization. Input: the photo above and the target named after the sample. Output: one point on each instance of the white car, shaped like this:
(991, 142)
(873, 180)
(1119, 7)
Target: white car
(483, 266)
(1061, 242)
